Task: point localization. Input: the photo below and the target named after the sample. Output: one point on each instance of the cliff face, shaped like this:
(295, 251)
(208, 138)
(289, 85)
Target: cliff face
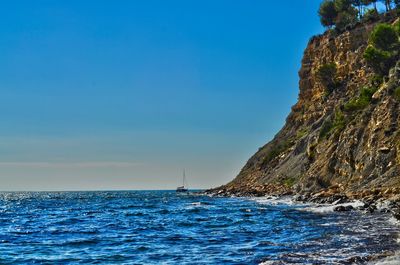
(323, 145)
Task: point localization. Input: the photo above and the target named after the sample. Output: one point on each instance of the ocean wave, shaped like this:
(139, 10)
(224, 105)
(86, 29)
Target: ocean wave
(311, 207)
(272, 200)
(267, 230)
(393, 259)
(328, 208)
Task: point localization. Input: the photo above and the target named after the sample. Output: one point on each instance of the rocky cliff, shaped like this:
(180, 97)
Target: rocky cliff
(325, 145)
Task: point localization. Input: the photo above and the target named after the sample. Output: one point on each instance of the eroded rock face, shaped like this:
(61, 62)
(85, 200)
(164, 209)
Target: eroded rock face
(362, 155)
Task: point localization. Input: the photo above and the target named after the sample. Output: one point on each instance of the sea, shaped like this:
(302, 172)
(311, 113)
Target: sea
(163, 227)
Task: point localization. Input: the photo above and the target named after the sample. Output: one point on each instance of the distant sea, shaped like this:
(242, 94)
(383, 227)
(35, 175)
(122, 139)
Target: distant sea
(162, 227)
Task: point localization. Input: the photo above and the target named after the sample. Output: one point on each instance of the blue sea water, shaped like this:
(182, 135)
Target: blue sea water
(162, 227)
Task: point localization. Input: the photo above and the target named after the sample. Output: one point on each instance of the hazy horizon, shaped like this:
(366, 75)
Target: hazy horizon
(103, 96)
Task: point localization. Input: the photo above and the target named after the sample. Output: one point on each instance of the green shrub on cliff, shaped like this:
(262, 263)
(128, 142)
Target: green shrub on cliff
(301, 133)
(283, 145)
(376, 80)
(362, 101)
(325, 129)
(382, 52)
(354, 105)
(384, 37)
(397, 93)
(277, 149)
(326, 75)
(397, 27)
(339, 121)
(330, 125)
(380, 61)
(289, 182)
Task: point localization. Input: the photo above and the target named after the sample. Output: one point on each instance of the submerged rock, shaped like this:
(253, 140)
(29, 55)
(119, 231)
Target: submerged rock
(342, 208)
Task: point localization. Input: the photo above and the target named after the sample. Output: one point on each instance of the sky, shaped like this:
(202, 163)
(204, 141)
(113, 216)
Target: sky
(103, 95)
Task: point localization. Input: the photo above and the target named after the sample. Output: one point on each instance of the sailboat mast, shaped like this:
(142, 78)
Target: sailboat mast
(184, 178)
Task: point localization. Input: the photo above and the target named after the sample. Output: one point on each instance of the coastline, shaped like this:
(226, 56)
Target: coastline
(331, 152)
(366, 203)
(385, 200)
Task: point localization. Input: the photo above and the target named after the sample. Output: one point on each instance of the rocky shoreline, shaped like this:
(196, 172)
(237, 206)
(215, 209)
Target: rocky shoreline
(375, 200)
(329, 150)
(338, 146)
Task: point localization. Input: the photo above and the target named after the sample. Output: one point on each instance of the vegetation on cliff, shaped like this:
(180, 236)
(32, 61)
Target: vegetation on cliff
(343, 133)
(397, 93)
(326, 75)
(362, 101)
(344, 13)
(383, 50)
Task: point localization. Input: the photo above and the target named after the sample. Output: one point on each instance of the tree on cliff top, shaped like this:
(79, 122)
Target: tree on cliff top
(327, 13)
(342, 13)
(343, 5)
(339, 13)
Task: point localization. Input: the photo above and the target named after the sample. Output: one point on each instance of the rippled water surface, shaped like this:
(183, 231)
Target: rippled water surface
(160, 227)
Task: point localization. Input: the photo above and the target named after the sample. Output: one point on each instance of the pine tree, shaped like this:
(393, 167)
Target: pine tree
(327, 13)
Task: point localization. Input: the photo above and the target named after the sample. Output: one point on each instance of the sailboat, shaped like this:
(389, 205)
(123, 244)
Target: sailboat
(182, 188)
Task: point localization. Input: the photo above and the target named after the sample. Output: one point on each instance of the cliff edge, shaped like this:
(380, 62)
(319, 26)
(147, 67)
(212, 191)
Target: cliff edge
(341, 137)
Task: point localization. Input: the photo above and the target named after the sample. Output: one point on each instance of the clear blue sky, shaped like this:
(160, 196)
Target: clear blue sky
(124, 94)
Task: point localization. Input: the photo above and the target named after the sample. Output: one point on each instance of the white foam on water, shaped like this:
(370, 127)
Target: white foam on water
(327, 208)
(380, 205)
(394, 221)
(270, 200)
(395, 259)
(311, 207)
